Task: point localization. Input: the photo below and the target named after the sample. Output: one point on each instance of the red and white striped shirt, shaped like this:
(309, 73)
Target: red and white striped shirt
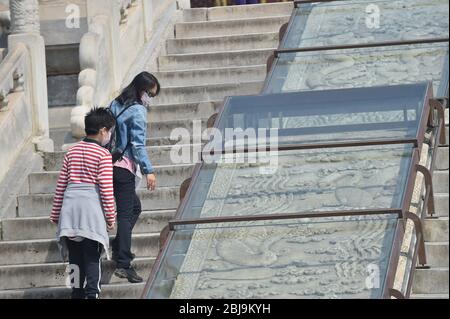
(87, 162)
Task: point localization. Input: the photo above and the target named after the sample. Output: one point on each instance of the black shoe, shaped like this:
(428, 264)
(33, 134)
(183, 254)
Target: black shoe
(78, 294)
(129, 274)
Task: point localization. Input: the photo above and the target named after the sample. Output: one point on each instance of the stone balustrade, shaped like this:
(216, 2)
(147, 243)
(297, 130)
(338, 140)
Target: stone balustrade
(12, 75)
(125, 6)
(16, 112)
(23, 89)
(118, 30)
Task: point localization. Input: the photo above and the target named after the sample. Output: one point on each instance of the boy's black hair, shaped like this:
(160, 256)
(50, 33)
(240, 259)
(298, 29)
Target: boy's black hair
(97, 119)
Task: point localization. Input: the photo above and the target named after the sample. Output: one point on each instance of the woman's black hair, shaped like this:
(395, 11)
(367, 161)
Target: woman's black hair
(144, 81)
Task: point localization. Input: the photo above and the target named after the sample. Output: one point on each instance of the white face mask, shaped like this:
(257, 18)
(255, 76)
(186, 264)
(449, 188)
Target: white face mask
(146, 100)
(107, 139)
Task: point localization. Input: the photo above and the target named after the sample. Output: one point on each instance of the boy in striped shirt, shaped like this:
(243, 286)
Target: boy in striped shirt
(83, 206)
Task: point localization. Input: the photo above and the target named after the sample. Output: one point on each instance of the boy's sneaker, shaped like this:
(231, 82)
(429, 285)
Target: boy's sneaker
(129, 274)
(78, 293)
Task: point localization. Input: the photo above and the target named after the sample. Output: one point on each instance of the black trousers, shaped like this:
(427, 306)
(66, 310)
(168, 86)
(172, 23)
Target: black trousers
(128, 211)
(85, 261)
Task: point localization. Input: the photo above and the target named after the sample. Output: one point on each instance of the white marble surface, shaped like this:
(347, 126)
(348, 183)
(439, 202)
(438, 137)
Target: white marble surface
(321, 258)
(316, 259)
(346, 24)
(288, 260)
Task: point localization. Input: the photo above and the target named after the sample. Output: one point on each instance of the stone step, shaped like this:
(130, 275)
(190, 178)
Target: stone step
(213, 60)
(168, 141)
(252, 73)
(47, 251)
(237, 12)
(168, 175)
(15, 178)
(441, 205)
(159, 155)
(210, 92)
(29, 228)
(64, 141)
(109, 291)
(429, 296)
(183, 111)
(223, 43)
(192, 110)
(440, 182)
(163, 198)
(436, 230)
(53, 274)
(433, 280)
(437, 254)
(442, 162)
(167, 128)
(230, 27)
(62, 136)
(59, 117)
(180, 154)
(150, 141)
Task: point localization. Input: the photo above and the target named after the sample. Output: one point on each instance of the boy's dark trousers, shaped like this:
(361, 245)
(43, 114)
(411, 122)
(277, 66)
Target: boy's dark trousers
(128, 211)
(85, 255)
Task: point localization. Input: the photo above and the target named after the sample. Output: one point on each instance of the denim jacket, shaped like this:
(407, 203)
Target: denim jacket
(131, 128)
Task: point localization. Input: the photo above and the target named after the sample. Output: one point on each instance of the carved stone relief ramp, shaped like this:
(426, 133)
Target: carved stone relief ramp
(357, 127)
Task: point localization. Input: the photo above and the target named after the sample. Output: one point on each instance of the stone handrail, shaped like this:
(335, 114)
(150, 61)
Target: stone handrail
(11, 75)
(16, 113)
(125, 5)
(24, 127)
(23, 86)
(117, 32)
(159, 8)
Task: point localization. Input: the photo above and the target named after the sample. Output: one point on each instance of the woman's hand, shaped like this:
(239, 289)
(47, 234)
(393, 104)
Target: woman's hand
(151, 182)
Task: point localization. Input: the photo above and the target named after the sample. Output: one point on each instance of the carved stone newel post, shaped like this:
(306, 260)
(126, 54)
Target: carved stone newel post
(25, 29)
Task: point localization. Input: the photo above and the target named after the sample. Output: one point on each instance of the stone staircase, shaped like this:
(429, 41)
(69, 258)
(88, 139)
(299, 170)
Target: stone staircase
(433, 283)
(214, 53)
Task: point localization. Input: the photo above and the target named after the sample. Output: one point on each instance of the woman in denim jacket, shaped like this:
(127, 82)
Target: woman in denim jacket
(131, 131)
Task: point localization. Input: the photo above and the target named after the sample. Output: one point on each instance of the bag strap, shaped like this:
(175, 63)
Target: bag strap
(121, 112)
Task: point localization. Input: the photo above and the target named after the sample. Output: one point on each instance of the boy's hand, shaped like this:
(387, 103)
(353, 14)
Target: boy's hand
(110, 226)
(55, 222)
(151, 182)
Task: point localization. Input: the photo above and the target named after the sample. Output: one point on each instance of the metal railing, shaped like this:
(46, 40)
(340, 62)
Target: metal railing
(403, 211)
(432, 118)
(362, 45)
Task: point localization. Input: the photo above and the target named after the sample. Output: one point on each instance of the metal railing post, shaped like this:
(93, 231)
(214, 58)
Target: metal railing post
(437, 105)
(429, 196)
(420, 238)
